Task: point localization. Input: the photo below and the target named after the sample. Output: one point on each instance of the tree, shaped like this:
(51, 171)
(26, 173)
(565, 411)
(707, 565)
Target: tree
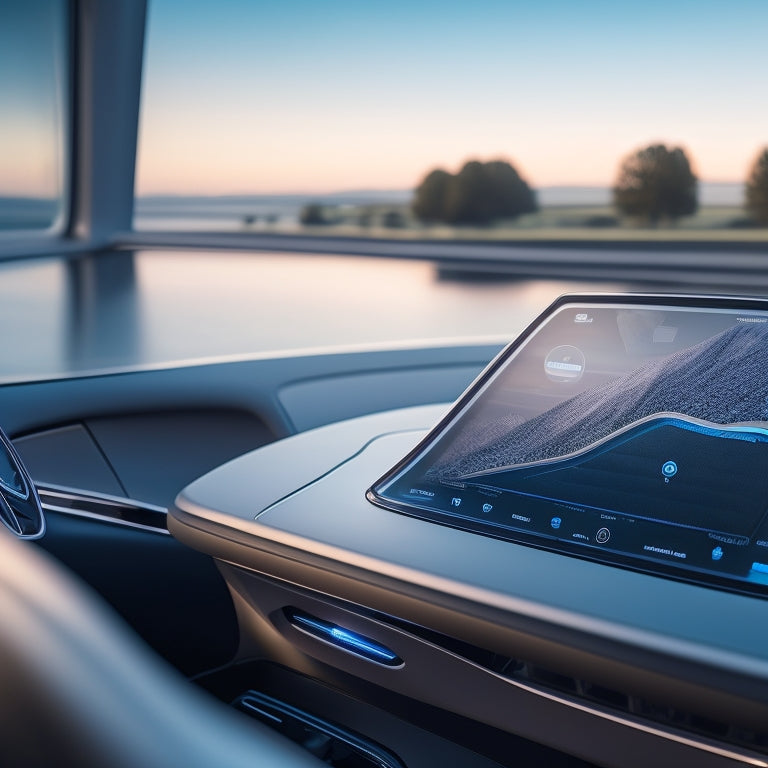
(469, 196)
(509, 192)
(393, 219)
(478, 194)
(656, 183)
(312, 214)
(429, 202)
(757, 189)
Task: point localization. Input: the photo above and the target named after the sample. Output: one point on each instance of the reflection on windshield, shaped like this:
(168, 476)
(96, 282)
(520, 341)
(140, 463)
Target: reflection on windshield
(125, 310)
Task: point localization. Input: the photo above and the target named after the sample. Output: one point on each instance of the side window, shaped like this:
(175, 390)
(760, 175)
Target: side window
(33, 114)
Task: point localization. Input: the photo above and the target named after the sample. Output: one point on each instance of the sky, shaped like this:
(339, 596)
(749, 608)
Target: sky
(31, 97)
(243, 96)
(302, 96)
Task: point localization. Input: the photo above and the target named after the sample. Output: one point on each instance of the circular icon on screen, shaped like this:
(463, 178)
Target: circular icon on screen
(669, 469)
(564, 364)
(603, 535)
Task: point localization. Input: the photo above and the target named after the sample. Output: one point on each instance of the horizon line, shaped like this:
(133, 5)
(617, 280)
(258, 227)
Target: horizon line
(384, 190)
(11, 194)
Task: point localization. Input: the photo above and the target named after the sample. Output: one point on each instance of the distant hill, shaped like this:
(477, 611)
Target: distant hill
(722, 380)
(163, 204)
(27, 212)
(710, 193)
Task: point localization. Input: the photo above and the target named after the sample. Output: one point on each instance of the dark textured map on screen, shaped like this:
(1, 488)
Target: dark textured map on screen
(632, 431)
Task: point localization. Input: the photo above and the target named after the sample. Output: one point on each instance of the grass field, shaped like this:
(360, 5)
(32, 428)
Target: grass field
(713, 223)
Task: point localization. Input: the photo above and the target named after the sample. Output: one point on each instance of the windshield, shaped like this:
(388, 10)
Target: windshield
(552, 120)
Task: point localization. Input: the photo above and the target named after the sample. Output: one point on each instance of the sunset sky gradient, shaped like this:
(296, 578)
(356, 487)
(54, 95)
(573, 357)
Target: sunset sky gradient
(303, 96)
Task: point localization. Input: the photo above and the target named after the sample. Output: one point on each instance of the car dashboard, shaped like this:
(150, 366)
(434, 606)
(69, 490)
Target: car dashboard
(285, 592)
(618, 666)
(253, 514)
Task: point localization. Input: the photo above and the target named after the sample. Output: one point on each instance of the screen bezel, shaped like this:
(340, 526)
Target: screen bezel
(686, 574)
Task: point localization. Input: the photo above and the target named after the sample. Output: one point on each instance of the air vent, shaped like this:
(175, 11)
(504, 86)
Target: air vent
(636, 706)
(589, 692)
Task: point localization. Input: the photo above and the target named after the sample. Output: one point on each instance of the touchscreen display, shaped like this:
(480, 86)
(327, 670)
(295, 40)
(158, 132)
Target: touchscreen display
(629, 431)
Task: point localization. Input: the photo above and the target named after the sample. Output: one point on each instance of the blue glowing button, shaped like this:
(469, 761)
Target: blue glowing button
(669, 469)
(342, 638)
(760, 567)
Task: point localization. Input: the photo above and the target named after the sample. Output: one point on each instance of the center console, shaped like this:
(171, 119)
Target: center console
(572, 554)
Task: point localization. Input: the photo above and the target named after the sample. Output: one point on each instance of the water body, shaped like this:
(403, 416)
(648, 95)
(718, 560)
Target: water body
(237, 212)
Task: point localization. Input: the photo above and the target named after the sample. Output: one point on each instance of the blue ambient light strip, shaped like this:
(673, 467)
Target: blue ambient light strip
(344, 639)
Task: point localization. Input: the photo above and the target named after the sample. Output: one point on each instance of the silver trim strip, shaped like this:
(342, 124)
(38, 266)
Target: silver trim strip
(64, 491)
(275, 354)
(111, 509)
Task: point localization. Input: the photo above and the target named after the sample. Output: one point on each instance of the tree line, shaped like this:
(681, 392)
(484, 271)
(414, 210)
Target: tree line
(654, 184)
